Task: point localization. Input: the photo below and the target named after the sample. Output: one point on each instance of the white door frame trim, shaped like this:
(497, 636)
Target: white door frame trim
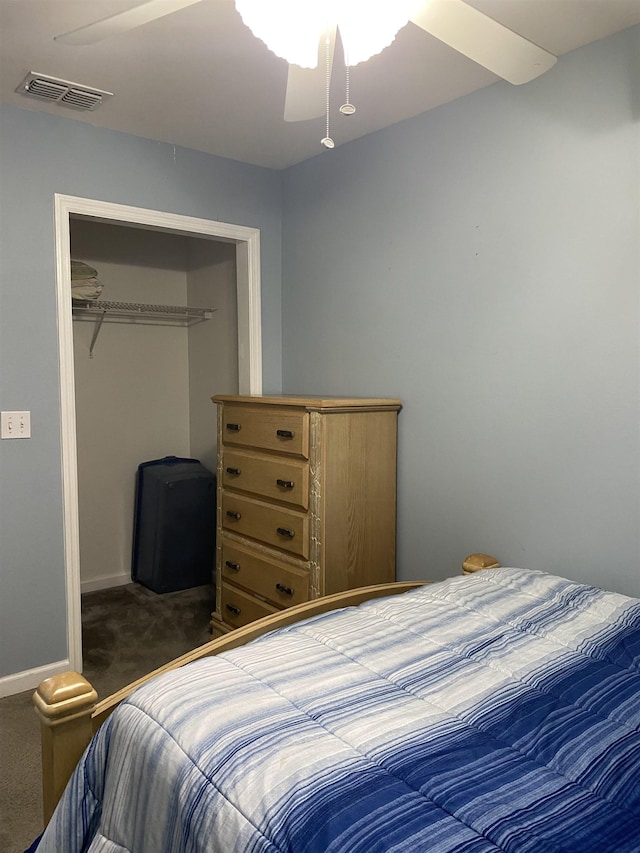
(247, 241)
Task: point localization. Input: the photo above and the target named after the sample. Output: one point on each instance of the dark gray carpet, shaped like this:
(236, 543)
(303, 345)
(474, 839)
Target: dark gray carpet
(126, 632)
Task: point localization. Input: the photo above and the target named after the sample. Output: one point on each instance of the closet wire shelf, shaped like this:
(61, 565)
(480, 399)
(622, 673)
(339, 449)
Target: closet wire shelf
(133, 312)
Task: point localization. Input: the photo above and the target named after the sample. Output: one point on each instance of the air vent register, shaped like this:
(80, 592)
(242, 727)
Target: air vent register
(63, 92)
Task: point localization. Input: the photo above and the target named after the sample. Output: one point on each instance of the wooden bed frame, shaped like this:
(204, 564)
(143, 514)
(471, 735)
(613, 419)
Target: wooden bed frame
(68, 706)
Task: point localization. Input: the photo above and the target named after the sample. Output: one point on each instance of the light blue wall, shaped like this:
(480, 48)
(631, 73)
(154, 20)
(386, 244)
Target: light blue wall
(42, 155)
(481, 262)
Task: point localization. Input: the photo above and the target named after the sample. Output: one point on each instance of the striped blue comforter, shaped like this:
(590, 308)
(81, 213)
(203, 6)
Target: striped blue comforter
(494, 712)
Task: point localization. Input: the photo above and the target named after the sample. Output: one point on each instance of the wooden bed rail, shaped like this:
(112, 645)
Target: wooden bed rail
(70, 713)
(68, 706)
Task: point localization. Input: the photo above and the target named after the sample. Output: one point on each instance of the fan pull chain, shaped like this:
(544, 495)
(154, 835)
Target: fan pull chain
(347, 109)
(328, 141)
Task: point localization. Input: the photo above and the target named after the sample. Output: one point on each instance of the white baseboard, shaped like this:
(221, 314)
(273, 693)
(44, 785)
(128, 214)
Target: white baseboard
(94, 584)
(30, 678)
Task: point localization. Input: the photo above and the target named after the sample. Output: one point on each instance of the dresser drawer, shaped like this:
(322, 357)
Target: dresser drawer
(275, 477)
(283, 528)
(282, 430)
(283, 585)
(239, 608)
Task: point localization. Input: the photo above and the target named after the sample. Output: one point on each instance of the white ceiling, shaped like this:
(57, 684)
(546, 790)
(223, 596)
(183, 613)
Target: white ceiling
(199, 78)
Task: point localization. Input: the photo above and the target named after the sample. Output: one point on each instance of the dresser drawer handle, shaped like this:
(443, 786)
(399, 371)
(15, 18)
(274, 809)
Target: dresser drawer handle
(284, 531)
(233, 609)
(284, 484)
(233, 427)
(285, 433)
(234, 471)
(235, 567)
(285, 589)
(232, 514)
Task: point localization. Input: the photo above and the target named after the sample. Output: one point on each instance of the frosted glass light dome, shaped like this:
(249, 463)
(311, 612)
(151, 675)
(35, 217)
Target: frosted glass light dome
(292, 29)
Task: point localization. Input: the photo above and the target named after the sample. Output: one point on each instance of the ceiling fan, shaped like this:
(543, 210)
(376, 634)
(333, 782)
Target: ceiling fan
(454, 22)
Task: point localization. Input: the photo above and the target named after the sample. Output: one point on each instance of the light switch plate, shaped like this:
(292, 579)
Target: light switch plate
(15, 425)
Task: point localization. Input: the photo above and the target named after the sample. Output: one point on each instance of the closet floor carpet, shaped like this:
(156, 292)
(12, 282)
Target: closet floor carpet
(126, 632)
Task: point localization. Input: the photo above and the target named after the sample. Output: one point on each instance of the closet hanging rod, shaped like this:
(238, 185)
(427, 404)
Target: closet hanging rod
(103, 309)
(138, 309)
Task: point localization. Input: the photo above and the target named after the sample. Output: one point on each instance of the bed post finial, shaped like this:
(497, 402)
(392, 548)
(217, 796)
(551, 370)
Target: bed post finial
(64, 703)
(478, 562)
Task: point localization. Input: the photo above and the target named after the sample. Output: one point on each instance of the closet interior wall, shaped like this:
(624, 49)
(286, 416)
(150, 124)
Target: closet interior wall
(145, 392)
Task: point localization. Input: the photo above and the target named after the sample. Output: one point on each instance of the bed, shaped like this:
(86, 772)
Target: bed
(496, 711)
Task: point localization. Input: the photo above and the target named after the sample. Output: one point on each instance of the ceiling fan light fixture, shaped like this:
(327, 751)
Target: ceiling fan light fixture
(290, 28)
(368, 27)
(293, 29)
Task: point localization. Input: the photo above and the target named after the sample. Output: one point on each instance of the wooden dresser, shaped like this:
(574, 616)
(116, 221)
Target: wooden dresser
(306, 501)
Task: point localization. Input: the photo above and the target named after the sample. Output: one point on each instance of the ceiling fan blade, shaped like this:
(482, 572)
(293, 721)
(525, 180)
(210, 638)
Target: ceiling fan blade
(306, 96)
(306, 93)
(123, 21)
(484, 40)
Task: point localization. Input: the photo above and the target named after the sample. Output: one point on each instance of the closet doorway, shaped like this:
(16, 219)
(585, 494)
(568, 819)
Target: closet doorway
(157, 381)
